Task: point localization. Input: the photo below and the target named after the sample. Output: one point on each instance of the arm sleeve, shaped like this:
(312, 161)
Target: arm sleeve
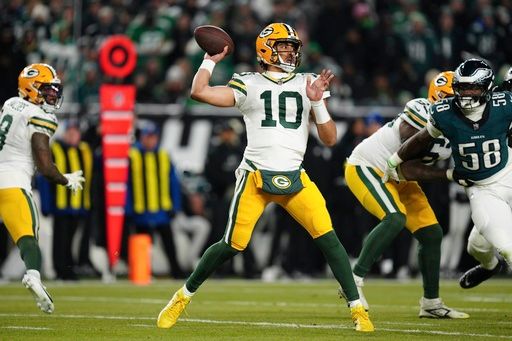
(41, 123)
(239, 89)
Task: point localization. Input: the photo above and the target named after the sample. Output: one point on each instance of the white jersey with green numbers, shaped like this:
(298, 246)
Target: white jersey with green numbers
(377, 148)
(19, 119)
(276, 114)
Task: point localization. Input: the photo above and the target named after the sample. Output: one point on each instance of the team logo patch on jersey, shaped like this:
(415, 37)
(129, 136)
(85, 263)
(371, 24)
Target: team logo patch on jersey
(281, 181)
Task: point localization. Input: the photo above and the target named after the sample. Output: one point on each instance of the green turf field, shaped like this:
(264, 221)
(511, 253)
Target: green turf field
(252, 310)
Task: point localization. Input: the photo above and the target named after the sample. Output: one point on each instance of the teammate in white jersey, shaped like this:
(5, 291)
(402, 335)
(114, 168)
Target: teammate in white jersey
(277, 106)
(402, 204)
(26, 124)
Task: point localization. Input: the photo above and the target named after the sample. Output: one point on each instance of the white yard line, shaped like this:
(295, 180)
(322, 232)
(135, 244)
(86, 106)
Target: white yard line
(329, 326)
(496, 299)
(261, 324)
(25, 328)
(163, 301)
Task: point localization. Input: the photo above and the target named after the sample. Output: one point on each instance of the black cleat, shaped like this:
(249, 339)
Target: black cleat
(478, 274)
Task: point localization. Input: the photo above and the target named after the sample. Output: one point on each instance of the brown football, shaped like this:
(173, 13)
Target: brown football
(212, 39)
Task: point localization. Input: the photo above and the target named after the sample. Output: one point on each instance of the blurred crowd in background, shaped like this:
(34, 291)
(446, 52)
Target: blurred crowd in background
(382, 52)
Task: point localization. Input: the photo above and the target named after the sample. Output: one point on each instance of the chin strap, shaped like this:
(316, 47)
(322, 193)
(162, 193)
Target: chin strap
(474, 113)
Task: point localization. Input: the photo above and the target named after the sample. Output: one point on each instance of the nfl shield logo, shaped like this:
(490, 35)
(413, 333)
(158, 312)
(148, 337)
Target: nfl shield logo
(476, 126)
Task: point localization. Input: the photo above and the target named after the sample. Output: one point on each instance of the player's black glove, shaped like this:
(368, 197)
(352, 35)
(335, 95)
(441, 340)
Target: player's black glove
(452, 175)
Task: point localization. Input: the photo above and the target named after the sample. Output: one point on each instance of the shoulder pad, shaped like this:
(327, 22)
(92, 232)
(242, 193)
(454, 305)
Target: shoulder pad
(416, 112)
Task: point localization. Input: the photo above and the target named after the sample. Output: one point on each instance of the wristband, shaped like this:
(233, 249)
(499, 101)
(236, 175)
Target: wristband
(449, 174)
(321, 114)
(208, 65)
(394, 160)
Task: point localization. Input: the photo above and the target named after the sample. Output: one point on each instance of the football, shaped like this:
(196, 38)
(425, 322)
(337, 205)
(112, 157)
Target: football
(212, 39)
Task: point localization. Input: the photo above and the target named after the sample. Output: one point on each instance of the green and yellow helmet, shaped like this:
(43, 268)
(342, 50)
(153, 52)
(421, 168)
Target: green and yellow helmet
(266, 45)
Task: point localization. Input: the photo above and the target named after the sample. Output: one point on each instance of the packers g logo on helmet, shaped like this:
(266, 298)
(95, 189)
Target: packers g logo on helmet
(266, 45)
(281, 181)
(40, 85)
(441, 86)
(29, 73)
(266, 31)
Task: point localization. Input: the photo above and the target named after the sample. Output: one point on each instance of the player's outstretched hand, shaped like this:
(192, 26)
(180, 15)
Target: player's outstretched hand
(315, 90)
(75, 180)
(217, 57)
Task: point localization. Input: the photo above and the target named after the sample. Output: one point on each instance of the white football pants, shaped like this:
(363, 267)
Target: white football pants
(491, 207)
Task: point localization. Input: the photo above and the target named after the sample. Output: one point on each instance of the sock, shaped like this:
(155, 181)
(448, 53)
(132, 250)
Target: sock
(491, 264)
(30, 252)
(481, 250)
(337, 259)
(359, 280)
(34, 273)
(186, 292)
(354, 303)
(378, 241)
(212, 258)
(429, 258)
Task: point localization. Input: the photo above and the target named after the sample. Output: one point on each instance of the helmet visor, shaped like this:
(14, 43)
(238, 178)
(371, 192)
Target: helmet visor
(51, 92)
(468, 89)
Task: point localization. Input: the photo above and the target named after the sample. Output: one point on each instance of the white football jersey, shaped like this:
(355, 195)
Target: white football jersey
(19, 119)
(375, 150)
(276, 114)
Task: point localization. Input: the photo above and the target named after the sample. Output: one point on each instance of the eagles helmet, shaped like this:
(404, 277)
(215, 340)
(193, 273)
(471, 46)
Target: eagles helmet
(266, 46)
(472, 83)
(39, 84)
(441, 86)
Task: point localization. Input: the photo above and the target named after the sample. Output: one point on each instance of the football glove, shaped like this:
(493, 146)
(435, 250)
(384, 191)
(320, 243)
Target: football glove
(452, 175)
(390, 172)
(75, 180)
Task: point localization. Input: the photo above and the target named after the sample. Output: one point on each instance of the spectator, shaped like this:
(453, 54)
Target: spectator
(12, 61)
(193, 224)
(451, 41)
(175, 86)
(421, 48)
(97, 220)
(154, 194)
(482, 36)
(151, 37)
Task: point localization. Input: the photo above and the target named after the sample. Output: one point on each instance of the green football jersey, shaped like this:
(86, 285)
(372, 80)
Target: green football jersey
(479, 149)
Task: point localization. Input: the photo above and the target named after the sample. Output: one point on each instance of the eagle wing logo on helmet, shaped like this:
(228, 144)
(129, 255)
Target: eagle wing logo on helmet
(472, 83)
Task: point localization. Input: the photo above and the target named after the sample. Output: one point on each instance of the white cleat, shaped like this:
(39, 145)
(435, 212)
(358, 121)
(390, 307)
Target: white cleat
(31, 280)
(435, 308)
